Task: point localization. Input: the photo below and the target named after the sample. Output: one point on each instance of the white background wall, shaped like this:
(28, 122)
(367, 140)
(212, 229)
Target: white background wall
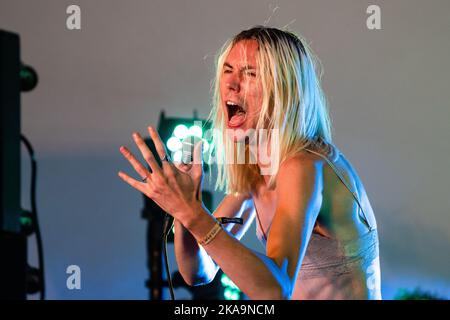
(389, 102)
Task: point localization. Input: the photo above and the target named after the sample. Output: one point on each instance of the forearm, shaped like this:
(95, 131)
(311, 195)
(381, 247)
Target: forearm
(194, 264)
(258, 276)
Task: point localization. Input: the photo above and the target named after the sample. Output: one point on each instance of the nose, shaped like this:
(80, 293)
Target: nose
(233, 84)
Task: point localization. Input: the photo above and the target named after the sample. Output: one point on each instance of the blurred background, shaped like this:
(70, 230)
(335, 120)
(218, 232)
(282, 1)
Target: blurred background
(388, 96)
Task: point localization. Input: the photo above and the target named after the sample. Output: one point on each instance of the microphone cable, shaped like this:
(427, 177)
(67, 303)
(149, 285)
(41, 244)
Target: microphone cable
(169, 221)
(168, 225)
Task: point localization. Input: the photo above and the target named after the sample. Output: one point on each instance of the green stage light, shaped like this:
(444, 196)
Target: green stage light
(227, 294)
(227, 282)
(230, 294)
(224, 280)
(181, 131)
(178, 132)
(196, 131)
(177, 156)
(235, 296)
(231, 291)
(174, 144)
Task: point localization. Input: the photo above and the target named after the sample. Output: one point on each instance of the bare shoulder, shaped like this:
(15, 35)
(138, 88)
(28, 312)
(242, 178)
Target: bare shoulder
(299, 166)
(299, 182)
(298, 201)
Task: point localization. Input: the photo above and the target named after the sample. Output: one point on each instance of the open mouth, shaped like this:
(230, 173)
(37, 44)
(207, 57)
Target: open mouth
(236, 114)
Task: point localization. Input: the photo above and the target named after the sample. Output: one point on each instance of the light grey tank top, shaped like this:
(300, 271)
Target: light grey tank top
(331, 269)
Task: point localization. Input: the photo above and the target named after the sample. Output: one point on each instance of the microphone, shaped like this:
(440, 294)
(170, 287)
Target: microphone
(187, 149)
(187, 157)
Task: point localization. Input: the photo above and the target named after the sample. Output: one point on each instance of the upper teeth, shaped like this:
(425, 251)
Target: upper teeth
(231, 103)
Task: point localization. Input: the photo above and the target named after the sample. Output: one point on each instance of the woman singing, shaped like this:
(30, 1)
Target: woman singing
(312, 212)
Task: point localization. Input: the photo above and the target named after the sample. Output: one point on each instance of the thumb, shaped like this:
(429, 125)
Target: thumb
(197, 166)
(182, 166)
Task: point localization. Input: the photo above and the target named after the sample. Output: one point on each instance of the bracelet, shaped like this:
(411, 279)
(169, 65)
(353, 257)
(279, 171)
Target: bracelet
(211, 234)
(224, 220)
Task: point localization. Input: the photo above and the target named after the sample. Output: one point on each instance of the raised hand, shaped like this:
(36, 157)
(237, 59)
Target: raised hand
(175, 189)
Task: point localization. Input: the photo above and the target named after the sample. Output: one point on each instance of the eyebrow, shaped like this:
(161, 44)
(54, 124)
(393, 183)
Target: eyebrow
(247, 67)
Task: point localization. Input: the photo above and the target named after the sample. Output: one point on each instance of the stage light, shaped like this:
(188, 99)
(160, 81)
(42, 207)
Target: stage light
(173, 132)
(174, 144)
(181, 131)
(196, 131)
(231, 291)
(177, 156)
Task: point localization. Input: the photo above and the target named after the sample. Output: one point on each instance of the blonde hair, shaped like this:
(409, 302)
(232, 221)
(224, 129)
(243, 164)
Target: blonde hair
(293, 102)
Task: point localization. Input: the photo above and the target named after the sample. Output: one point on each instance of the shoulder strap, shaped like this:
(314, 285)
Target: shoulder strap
(339, 175)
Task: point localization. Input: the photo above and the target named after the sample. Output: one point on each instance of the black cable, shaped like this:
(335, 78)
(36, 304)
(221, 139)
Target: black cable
(168, 221)
(34, 214)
